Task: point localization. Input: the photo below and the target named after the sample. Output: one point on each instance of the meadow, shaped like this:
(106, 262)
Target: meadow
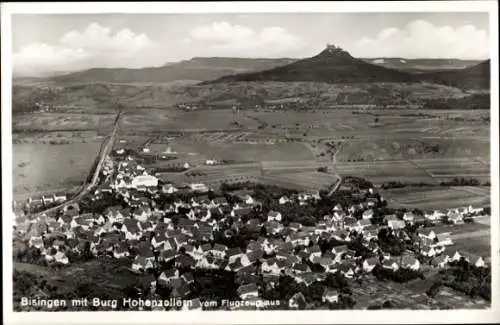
(38, 167)
(242, 151)
(381, 145)
(415, 146)
(62, 122)
(434, 197)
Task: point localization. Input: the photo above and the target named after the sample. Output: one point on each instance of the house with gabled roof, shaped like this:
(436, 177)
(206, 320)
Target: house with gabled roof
(146, 226)
(360, 225)
(347, 269)
(61, 258)
(180, 239)
(339, 251)
(131, 229)
(248, 291)
(272, 265)
(369, 234)
(322, 228)
(84, 221)
(185, 261)
(140, 264)
(207, 262)
(273, 227)
(456, 218)
(409, 217)
(204, 249)
(473, 259)
(427, 233)
(306, 278)
(440, 261)
(368, 214)
(234, 253)
(158, 239)
(390, 264)
(314, 252)
(390, 217)
(234, 265)
(190, 250)
(299, 268)
(66, 219)
(295, 226)
(254, 255)
(167, 255)
(47, 199)
(443, 239)
(283, 200)
(116, 214)
(332, 267)
(274, 216)
(408, 261)
(165, 277)
(141, 213)
(427, 251)
(330, 296)
(298, 239)
(340, 235)
(171, 244)
(396, 224)
(370, 263)
(434, 216)
(121, 250)
(454, 256)
(220, 200)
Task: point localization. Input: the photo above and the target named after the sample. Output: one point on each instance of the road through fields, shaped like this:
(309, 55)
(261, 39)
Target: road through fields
(106, 148)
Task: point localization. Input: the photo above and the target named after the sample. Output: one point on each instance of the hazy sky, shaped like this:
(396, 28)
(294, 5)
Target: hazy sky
(66, 42)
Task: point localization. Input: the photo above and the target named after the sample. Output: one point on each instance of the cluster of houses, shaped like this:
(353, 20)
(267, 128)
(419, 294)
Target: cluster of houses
(146, 234)
(45, 200)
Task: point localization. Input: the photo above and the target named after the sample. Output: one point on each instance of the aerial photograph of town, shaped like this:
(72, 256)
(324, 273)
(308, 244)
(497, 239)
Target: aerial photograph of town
(281, 161)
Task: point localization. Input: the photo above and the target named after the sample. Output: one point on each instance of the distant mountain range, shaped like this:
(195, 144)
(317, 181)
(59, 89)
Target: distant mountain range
(332, 65)
(421, 65)
(477, 76)
(200, 69)
(335, 65)
(197, 69)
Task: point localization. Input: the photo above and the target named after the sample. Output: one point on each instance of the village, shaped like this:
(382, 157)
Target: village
(168, 231)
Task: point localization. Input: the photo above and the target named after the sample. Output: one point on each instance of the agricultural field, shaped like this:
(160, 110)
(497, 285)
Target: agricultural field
(428, 171)
(277, 180)
(410, 295)
(61, 137)
(38, 167)
(454, 167)
(172, 119)
(150, 118)
(471, 237)
(413, 146)
(479, 245)
(242, 151)
(277, 166)
(332, 120)
(62, 122)
(311, 180)
(386, 171)
(433, 197)
(207, 174)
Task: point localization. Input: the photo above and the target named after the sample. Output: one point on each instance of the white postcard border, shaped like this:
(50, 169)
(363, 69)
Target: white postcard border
(242, 317)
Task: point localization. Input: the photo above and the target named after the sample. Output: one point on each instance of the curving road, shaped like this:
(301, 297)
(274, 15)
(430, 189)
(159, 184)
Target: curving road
(334, 166)
(105, 150)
